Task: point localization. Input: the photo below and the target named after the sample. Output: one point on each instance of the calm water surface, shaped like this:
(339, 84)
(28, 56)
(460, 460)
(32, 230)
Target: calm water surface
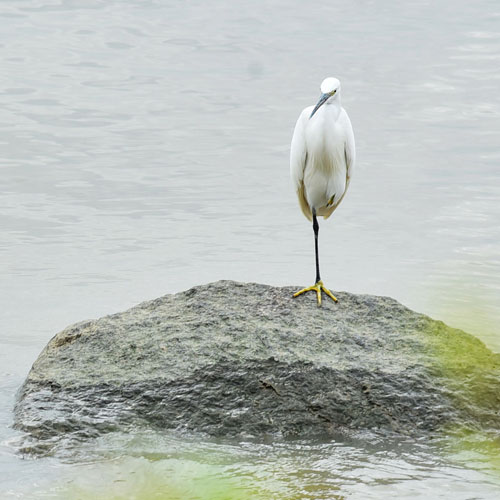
(144, 149)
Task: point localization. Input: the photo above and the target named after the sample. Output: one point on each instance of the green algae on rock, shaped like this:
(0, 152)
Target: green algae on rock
(245, 359)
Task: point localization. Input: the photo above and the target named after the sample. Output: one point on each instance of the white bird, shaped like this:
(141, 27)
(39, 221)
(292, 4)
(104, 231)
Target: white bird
(322, 157)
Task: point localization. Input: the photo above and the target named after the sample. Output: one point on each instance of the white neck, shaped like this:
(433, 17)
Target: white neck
(332, 106)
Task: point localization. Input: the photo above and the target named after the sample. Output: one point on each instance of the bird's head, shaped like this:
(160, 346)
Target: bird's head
(330, 91)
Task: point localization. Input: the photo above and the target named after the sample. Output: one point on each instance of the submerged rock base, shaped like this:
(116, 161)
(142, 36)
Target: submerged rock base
(244, 359)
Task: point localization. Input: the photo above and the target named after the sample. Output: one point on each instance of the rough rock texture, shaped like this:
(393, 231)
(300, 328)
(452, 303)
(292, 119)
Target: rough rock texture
(240, 359)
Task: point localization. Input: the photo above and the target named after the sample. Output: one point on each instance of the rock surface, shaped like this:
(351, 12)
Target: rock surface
(239, 359)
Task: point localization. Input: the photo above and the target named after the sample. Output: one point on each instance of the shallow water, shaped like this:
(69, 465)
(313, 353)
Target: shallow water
(149, 465)
(144, 149)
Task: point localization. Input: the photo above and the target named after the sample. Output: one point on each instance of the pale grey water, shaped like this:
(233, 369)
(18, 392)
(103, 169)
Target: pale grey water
(144, 149)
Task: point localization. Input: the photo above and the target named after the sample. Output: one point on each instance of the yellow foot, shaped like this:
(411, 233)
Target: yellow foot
(318, 287)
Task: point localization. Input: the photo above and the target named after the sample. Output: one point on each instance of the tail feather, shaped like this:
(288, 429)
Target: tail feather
(327, 211)
(306, 209)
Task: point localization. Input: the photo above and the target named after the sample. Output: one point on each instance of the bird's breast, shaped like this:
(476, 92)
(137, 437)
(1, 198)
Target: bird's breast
(325, 169)
(325, 143)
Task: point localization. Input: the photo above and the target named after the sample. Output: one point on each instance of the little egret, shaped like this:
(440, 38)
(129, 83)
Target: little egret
(322, 158)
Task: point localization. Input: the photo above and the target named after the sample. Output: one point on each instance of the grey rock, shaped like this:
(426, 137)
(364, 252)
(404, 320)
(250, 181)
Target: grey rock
(245, 359)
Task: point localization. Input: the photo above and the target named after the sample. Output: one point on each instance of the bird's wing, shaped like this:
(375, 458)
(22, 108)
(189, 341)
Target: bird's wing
(349, 149)
(350, 159)
(298, 159)
(298, 152)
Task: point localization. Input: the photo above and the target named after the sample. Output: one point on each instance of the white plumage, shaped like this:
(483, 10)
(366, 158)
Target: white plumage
(322, 153)
(322, 159)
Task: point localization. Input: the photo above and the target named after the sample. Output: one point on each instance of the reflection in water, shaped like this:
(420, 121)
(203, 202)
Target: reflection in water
(145, 150)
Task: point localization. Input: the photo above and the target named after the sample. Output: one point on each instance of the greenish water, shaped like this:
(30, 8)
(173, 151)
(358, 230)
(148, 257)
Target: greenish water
(144, 149)
(154, 466)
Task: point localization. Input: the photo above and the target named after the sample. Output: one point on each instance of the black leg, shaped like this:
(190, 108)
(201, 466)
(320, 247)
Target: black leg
(316, 232)
(318, 287)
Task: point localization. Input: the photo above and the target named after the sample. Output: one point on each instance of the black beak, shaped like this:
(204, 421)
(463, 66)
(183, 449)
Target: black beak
(322, 100)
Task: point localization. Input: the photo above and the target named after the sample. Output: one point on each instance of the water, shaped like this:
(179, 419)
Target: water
(144, 149)
(147, 466)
